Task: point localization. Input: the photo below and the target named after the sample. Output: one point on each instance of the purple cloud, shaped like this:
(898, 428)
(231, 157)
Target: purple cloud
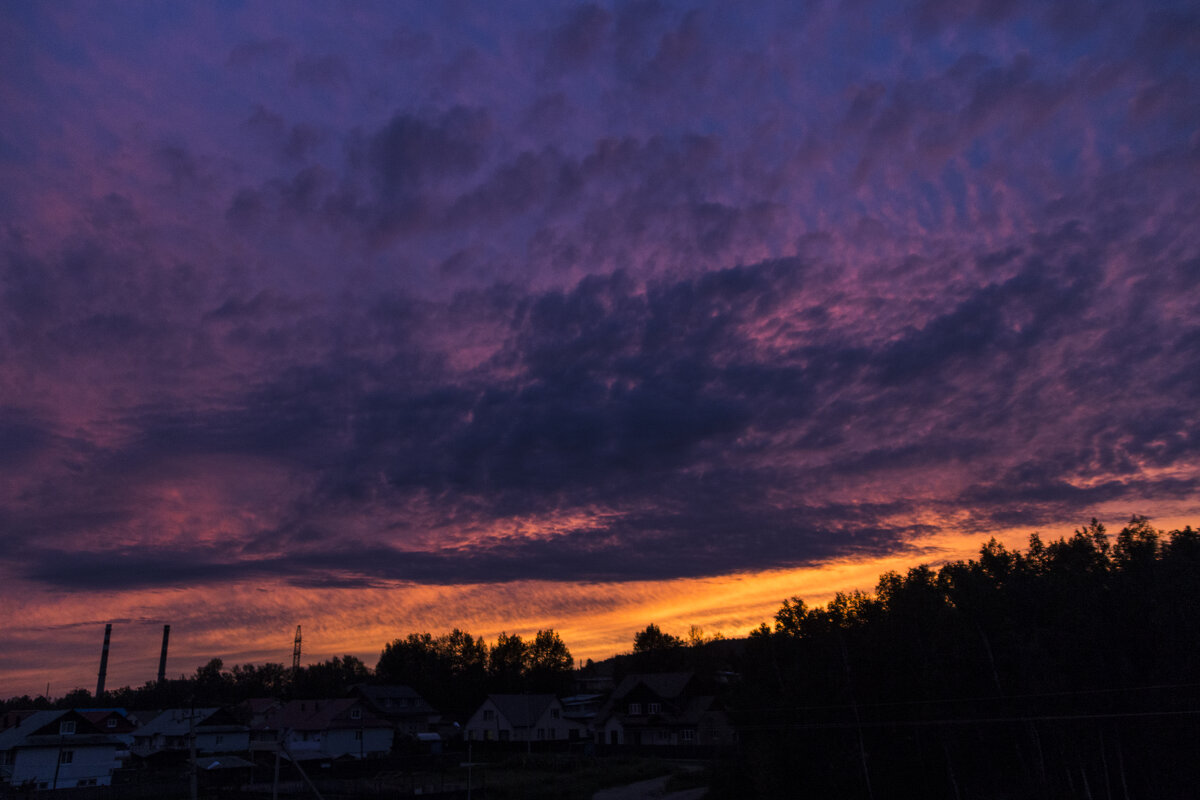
(612, 292)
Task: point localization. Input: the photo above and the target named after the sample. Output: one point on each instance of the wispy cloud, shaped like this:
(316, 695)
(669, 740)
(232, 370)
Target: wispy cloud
(623, 292)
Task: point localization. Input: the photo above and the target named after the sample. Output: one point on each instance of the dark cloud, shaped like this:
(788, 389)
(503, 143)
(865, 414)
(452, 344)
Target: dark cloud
(22, 435)
(326, 71)
(252, 53)
(579, 39)
(409, 150)
(609, 292)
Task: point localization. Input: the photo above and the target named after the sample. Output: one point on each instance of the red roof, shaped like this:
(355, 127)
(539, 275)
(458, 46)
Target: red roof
(323, 715)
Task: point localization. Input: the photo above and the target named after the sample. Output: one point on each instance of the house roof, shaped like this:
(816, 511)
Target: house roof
(175, 721)
(322, 715)
(226, 761)
(99, 717)
(394, 699)
(39, 729)
(11, 737)
(11, 718)
(260, 705)
(522, 710)
(667, 685)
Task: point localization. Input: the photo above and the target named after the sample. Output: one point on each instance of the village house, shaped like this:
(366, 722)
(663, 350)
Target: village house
(57, 750)
(333, 728)
(402, 706)
(662, 709)
(521, 718)
(113, 721)
(216, 730)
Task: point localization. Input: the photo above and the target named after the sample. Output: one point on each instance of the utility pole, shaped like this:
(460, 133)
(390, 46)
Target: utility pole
(193, 783)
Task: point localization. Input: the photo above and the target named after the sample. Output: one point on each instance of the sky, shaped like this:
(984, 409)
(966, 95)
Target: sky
(389, 317)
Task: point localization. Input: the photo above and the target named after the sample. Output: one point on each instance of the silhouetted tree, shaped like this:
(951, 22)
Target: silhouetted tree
(508, 661)
(656, 651)
(1054, 672)
(550, 663)
(449, 670)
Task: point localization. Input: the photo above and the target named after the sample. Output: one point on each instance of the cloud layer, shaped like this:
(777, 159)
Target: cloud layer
(453, 295)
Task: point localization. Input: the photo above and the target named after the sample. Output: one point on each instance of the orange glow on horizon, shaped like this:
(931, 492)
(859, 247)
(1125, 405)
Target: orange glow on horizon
(239, 623)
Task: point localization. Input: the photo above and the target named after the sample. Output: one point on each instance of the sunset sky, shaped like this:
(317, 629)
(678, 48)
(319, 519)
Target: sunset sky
(379, 318)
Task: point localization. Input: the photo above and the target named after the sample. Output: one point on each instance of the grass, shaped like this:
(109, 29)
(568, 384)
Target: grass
(569, 777)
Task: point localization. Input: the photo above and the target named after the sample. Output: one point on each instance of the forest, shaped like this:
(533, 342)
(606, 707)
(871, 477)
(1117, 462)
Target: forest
(1068, 669)
(1071, 669)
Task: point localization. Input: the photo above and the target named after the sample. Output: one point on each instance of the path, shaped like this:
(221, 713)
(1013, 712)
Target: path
(653, 789)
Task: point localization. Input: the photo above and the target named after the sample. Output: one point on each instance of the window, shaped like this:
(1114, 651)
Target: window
(220, 738)
(635, 708)
(358, 735)
(111, 722)
(688, 735)
(654, 708)
(488, 715)
(356, 713)
(66, 727)
(541, 733)
(66, 756)
(504, 736)
(554, 713)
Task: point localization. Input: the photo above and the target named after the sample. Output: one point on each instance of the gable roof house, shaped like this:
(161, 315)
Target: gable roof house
(402, 706)
(57, 750)
(662, 709)
(216, 731)
(11, 718)
(113, 721)
(336, 728)
(521, 718)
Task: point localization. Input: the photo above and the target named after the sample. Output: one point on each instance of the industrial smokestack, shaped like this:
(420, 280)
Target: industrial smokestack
(162, 658)
(103, 661)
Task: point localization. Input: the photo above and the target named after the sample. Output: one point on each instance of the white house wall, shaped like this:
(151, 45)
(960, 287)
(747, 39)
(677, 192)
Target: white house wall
(345, 742)
(36, 765)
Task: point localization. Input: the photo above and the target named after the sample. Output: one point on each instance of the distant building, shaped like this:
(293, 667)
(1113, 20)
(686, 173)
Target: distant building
(662, 709)
(582, 708)
(113, 721)
(402, 706)
(57, 750)
(522, 718)
(336, 728)
(216, 731)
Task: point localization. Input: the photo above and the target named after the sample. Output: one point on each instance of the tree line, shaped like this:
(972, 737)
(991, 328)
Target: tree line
(1068, 669)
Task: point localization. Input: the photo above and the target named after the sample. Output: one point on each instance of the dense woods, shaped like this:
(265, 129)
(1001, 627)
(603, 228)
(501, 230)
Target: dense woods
(1068, 669)
(1071, 669)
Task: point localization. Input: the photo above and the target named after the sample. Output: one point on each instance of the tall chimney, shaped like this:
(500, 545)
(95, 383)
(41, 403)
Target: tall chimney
(162, 658)
(103, 662)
